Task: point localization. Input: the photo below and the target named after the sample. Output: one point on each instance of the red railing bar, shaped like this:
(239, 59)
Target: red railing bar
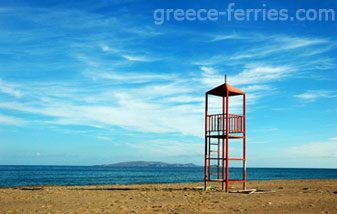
(237, 123)
(215, 122)
(216, 158)
(224, 115)
(238, 159)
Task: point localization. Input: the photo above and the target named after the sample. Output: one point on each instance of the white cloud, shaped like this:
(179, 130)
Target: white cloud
(9, 88)
(104, 138)
(320, 50)
(184, 99)
(136, 58)
(252, 88)
(315, 150)
(211, 77)
(299, 42)
(208, 70)
(312, 95)
(275, 49)
(260, 74)
(87, 60)
(129, 77)
(161, 90)
(253, 74)
(9, 120)
(172, 104)
(105, 48)
(142, 108)
(227, 37)
(279, 43)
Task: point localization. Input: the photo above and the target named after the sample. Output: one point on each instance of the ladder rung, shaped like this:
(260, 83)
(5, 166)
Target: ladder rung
(214, 166)
(214, 173)
(213, 151)
(215, 144)
(224, 180)
(236, 181)
(216, 180)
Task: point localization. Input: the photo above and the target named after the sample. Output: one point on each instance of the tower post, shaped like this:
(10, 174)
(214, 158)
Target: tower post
(206, 125)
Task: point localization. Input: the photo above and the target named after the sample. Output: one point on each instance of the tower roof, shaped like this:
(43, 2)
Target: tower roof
(221, 90)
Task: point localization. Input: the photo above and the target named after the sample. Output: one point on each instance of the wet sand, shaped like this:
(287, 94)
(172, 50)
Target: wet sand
(290, 196)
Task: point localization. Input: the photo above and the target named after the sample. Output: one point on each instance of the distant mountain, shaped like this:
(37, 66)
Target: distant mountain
(148, 164)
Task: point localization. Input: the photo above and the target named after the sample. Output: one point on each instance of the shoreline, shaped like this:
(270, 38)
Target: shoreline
(290, 196)
(197, 182)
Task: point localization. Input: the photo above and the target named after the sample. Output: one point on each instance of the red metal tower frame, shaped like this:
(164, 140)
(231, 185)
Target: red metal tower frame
(221, 128)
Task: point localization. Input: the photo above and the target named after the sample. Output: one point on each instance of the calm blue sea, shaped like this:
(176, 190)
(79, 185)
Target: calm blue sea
(91, 175)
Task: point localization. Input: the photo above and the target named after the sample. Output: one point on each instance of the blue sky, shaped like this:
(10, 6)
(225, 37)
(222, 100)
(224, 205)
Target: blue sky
(89, 82)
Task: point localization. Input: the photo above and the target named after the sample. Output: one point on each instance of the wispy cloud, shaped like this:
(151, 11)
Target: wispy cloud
(313, 95)
(261, 74)
(142, 101)
(137, 58)
(138, 108)
(299, 42)
(9, 120)
(184, 99)
(255, 79)
(104, 138)
(10, 89)
(216, 38)
(252, 88)
(130, 77)
(105, 48)
(273, 50)
(327, 149)
(279, 43)
(252, 74)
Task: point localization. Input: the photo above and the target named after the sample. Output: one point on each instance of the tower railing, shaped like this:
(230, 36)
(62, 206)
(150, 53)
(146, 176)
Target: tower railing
(217, 123)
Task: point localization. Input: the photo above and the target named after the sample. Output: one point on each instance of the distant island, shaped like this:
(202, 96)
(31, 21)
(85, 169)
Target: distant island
(148, 164)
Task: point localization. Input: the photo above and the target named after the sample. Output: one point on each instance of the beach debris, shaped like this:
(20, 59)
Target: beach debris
(202, 188)
(252, 191)
(31, 188)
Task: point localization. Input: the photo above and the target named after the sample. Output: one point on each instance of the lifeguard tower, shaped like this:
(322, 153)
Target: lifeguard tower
(220, 129)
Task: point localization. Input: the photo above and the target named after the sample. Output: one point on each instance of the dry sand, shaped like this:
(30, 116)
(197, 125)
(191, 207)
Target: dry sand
(291, 196)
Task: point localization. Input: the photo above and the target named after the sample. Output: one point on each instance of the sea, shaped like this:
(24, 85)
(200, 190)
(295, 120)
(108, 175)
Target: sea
(11, 176)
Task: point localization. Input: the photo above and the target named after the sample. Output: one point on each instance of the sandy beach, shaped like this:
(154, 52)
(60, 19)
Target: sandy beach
(290, 196)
